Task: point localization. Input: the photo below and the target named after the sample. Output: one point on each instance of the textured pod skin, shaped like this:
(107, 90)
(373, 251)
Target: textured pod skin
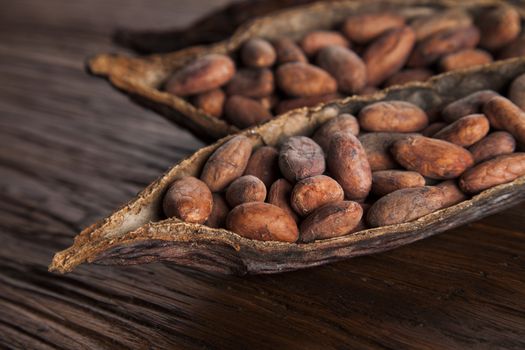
(342, 123)
(499, 27)
(279, 195)
(300, 157)
(263, 164)
(464, 59)
(211, 102)
(331, 220)
(245, 189)
(433, 128)
(314, 41)
(289, 104)
(387, 54)
(405, 205)
(348, 164)
(426, 26)
(494, 144)
(493, 172)
(443, 43)
(465, 131)
(377, 148)
(251, 82)
(304, 80)
(262, 222)
(288, 51)
(409, 75)
(392, 116)
(219, 212)
(517, 91)
(470, 104)
(188, 199)
(204, 74)
(387, 181)
(257, 53)
(452, 194)
(505, 115)
(432, 158)
(345, 66)
(366, 27)
(314, 192)
(244, 112)
(227, 163)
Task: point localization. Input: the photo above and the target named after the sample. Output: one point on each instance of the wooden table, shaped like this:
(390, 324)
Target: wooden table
(72, 149)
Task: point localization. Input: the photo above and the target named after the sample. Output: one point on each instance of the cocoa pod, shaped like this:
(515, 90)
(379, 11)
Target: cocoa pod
(303, 80)
(365, 27)
(405, 205)
(470, 104)
(465, 131)
(210, 102)
(499, 26)
(342, 123)
(425, 26)
(517, 91)
(314, 41)
(279, 195)
(496, 171)
(433, 128)
(387, 54)
(443, 43)
(505, 115)
(408, 76)
(257, 53)
(219, 212)
(264, 165)
(464, 59)
(262, 222)
(432, 158)
(288, 51)
(244, 112)
(377, 148)
(386, 181)
(289, 104)
(345, 66)
(204, 74)
(188, 199)
(331, 220)
(251, 82)
(227, 163)
(300, 157)
(494, 144)
(348, 165)
(314, 192)
(452, 194)
(244, 189)
(392, 116)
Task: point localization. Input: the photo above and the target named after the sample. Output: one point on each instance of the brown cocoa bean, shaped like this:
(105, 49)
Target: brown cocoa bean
(433, 128)
(386, 181)
(244, 189)
(262, 222)
(452, 194)
(426, 26)
(289, 104)
(217, 218)
(517, 91)
(387, 54)
(314, 192)
(496, 171)
(349, 166)
(494, 144)
(288, 51)
(244, 112)
(204, 74)
(464, 59)
(300, 157)
(257, 53)
(251, 82)
(279, 195)
(470, 104)
(499, 26)
(345, 66)
(377, 148)
(227, 163)
(268, 102)
(210, 102)
(432, 158)
(314, 41)
(263, 164)
(303, 80)
(368, 26)
(515, 49)
(342, 123)
(408, 76)
(505, 115)
(188, 199)
(331, 220)
(465, 131)
(392, 116)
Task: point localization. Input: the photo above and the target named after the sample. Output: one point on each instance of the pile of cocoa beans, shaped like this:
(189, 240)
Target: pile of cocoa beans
(367, 52)
(389, 165)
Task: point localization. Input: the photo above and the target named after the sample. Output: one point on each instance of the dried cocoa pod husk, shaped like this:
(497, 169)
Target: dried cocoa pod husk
(138, 233)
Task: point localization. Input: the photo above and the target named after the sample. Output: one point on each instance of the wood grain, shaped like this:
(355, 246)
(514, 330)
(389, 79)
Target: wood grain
(71, 149)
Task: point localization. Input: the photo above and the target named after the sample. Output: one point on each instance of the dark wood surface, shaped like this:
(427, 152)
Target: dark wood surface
(72, 149)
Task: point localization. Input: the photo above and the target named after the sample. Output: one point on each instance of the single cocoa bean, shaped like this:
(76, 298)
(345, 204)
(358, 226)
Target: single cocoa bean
(386, 181)
(433, 128)
(499, 26)
(314, 41)
(377, 148)
(452, 194)
(210, 102)
(464, 59)
(244, 112)
(303, 80)
(244, 189)
(188, 199)
(279, 195)
(288, 51)
(257, 53)
(517, 91)
(342, 123)
(251, 82)
(494, 144)
(365, 27)
(470, 104)
(217, 218)
(314, 192)
(263, 164)
(515, 49)
(392, 116)
(345, 66)
(300, 157)
(505, 115)
(425, 26)
(465, 131)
